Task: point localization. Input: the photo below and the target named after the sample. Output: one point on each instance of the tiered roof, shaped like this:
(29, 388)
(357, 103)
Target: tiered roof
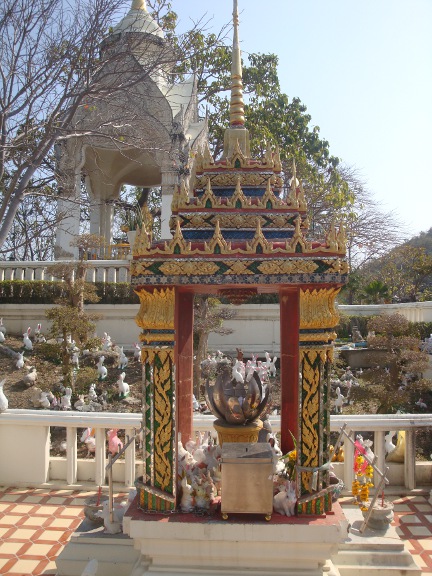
(232, 227)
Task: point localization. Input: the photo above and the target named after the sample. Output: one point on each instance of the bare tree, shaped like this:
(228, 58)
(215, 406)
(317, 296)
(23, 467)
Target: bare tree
(60, 66)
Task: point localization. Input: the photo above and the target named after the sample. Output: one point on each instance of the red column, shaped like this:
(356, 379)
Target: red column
(289, 299)
(184, 362)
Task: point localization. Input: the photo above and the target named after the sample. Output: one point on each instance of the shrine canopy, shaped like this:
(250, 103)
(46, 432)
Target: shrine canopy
(232, 231)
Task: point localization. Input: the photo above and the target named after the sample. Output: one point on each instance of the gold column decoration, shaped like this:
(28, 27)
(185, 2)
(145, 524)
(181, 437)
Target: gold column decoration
(317, 308)
(158, 490)
(156, 309)
(318, 316)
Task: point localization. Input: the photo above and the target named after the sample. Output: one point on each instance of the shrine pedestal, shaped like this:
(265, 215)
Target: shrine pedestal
(179, 544)
(235, 433)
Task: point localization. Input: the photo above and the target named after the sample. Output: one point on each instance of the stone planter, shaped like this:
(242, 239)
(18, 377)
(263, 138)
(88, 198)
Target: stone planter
(381, 515)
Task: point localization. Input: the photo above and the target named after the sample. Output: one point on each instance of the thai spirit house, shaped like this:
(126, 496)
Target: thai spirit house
(234, 235)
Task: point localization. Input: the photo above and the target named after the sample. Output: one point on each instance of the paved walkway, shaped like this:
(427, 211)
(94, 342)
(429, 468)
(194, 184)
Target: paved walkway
(35, 524)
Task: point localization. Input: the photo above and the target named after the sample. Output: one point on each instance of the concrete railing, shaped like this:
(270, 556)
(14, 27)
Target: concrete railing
(99, 270)
(25, 447)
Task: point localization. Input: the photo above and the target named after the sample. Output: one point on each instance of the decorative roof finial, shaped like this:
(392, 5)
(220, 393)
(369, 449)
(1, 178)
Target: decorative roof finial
(236, 105)
(139, 5)
(236, 135)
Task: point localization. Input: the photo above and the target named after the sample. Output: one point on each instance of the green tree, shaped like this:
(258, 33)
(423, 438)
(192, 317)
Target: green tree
(396, 383)
(69, 320)
(376, 292)
(407, 270)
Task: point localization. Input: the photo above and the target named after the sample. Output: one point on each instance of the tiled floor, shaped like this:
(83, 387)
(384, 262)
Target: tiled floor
(35, 524)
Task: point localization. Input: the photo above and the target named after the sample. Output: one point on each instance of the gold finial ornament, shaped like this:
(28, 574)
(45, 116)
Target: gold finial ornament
(139, 5)
(237, 117)
(236, 130)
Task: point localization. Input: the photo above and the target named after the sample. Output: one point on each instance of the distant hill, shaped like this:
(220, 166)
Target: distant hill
(423, 240)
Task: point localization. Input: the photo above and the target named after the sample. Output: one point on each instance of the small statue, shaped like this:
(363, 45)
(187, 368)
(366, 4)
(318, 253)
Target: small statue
(3, 400)
(2, 338)
(284, 502)
(106, 342)
(123, 387)
(270, 364)
(356, 335)
(116, 526)
(92, 393)
(20, 361)
(27, 343)
(339, 402)
(102, 371)
(89, 440)
(137, 351)
(66, 399)
(186, 502)
(30, 378)
(123, 359)
(114, 442)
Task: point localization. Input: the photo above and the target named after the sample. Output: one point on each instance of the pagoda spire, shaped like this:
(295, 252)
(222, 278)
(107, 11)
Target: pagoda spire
(236, 135)
(236, 105)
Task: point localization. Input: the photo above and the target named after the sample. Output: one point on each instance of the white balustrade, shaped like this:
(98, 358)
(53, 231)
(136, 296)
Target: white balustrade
(21, 449)
(99, 270)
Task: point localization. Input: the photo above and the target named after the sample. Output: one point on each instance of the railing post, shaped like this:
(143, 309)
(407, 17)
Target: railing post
(409, 460)
(379, 451)
(100, 456)
(349, 462)
(129, 479)
(71, 455)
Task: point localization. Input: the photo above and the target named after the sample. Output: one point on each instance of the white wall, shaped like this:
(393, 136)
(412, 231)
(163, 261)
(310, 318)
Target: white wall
(256, 326)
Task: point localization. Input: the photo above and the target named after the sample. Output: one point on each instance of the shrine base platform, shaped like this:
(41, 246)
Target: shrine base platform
(183, 544)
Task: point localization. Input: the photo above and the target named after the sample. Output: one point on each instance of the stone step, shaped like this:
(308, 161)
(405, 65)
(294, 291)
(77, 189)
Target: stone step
(115, 553)
(373, 552)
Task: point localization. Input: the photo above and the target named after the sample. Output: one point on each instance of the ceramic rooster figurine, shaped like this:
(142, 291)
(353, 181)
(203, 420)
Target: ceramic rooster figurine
(114, 442)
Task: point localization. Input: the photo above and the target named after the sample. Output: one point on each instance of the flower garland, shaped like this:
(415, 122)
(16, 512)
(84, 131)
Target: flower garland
(363, 474)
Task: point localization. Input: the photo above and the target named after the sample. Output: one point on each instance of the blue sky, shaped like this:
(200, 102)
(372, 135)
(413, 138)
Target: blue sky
(364, 71)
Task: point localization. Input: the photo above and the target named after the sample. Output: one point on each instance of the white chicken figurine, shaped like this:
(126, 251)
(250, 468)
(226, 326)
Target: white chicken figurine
(2, 338)
(3, 400)
(30, 378)
(2, 327)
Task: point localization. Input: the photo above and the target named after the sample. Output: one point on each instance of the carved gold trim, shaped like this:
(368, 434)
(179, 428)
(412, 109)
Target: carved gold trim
(259, 240)
(317, 308)
(188, 268)
(156, 309)
(208, 196)
(238, 197)
(217, 241)
(287, 267)
(321, 337)
(228, 179)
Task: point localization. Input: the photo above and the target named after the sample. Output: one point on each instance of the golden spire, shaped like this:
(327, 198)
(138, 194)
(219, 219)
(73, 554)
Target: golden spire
(236, 105)
(236, 131)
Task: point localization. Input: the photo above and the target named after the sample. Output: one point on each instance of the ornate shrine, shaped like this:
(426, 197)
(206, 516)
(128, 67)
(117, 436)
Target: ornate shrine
(234, 234)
